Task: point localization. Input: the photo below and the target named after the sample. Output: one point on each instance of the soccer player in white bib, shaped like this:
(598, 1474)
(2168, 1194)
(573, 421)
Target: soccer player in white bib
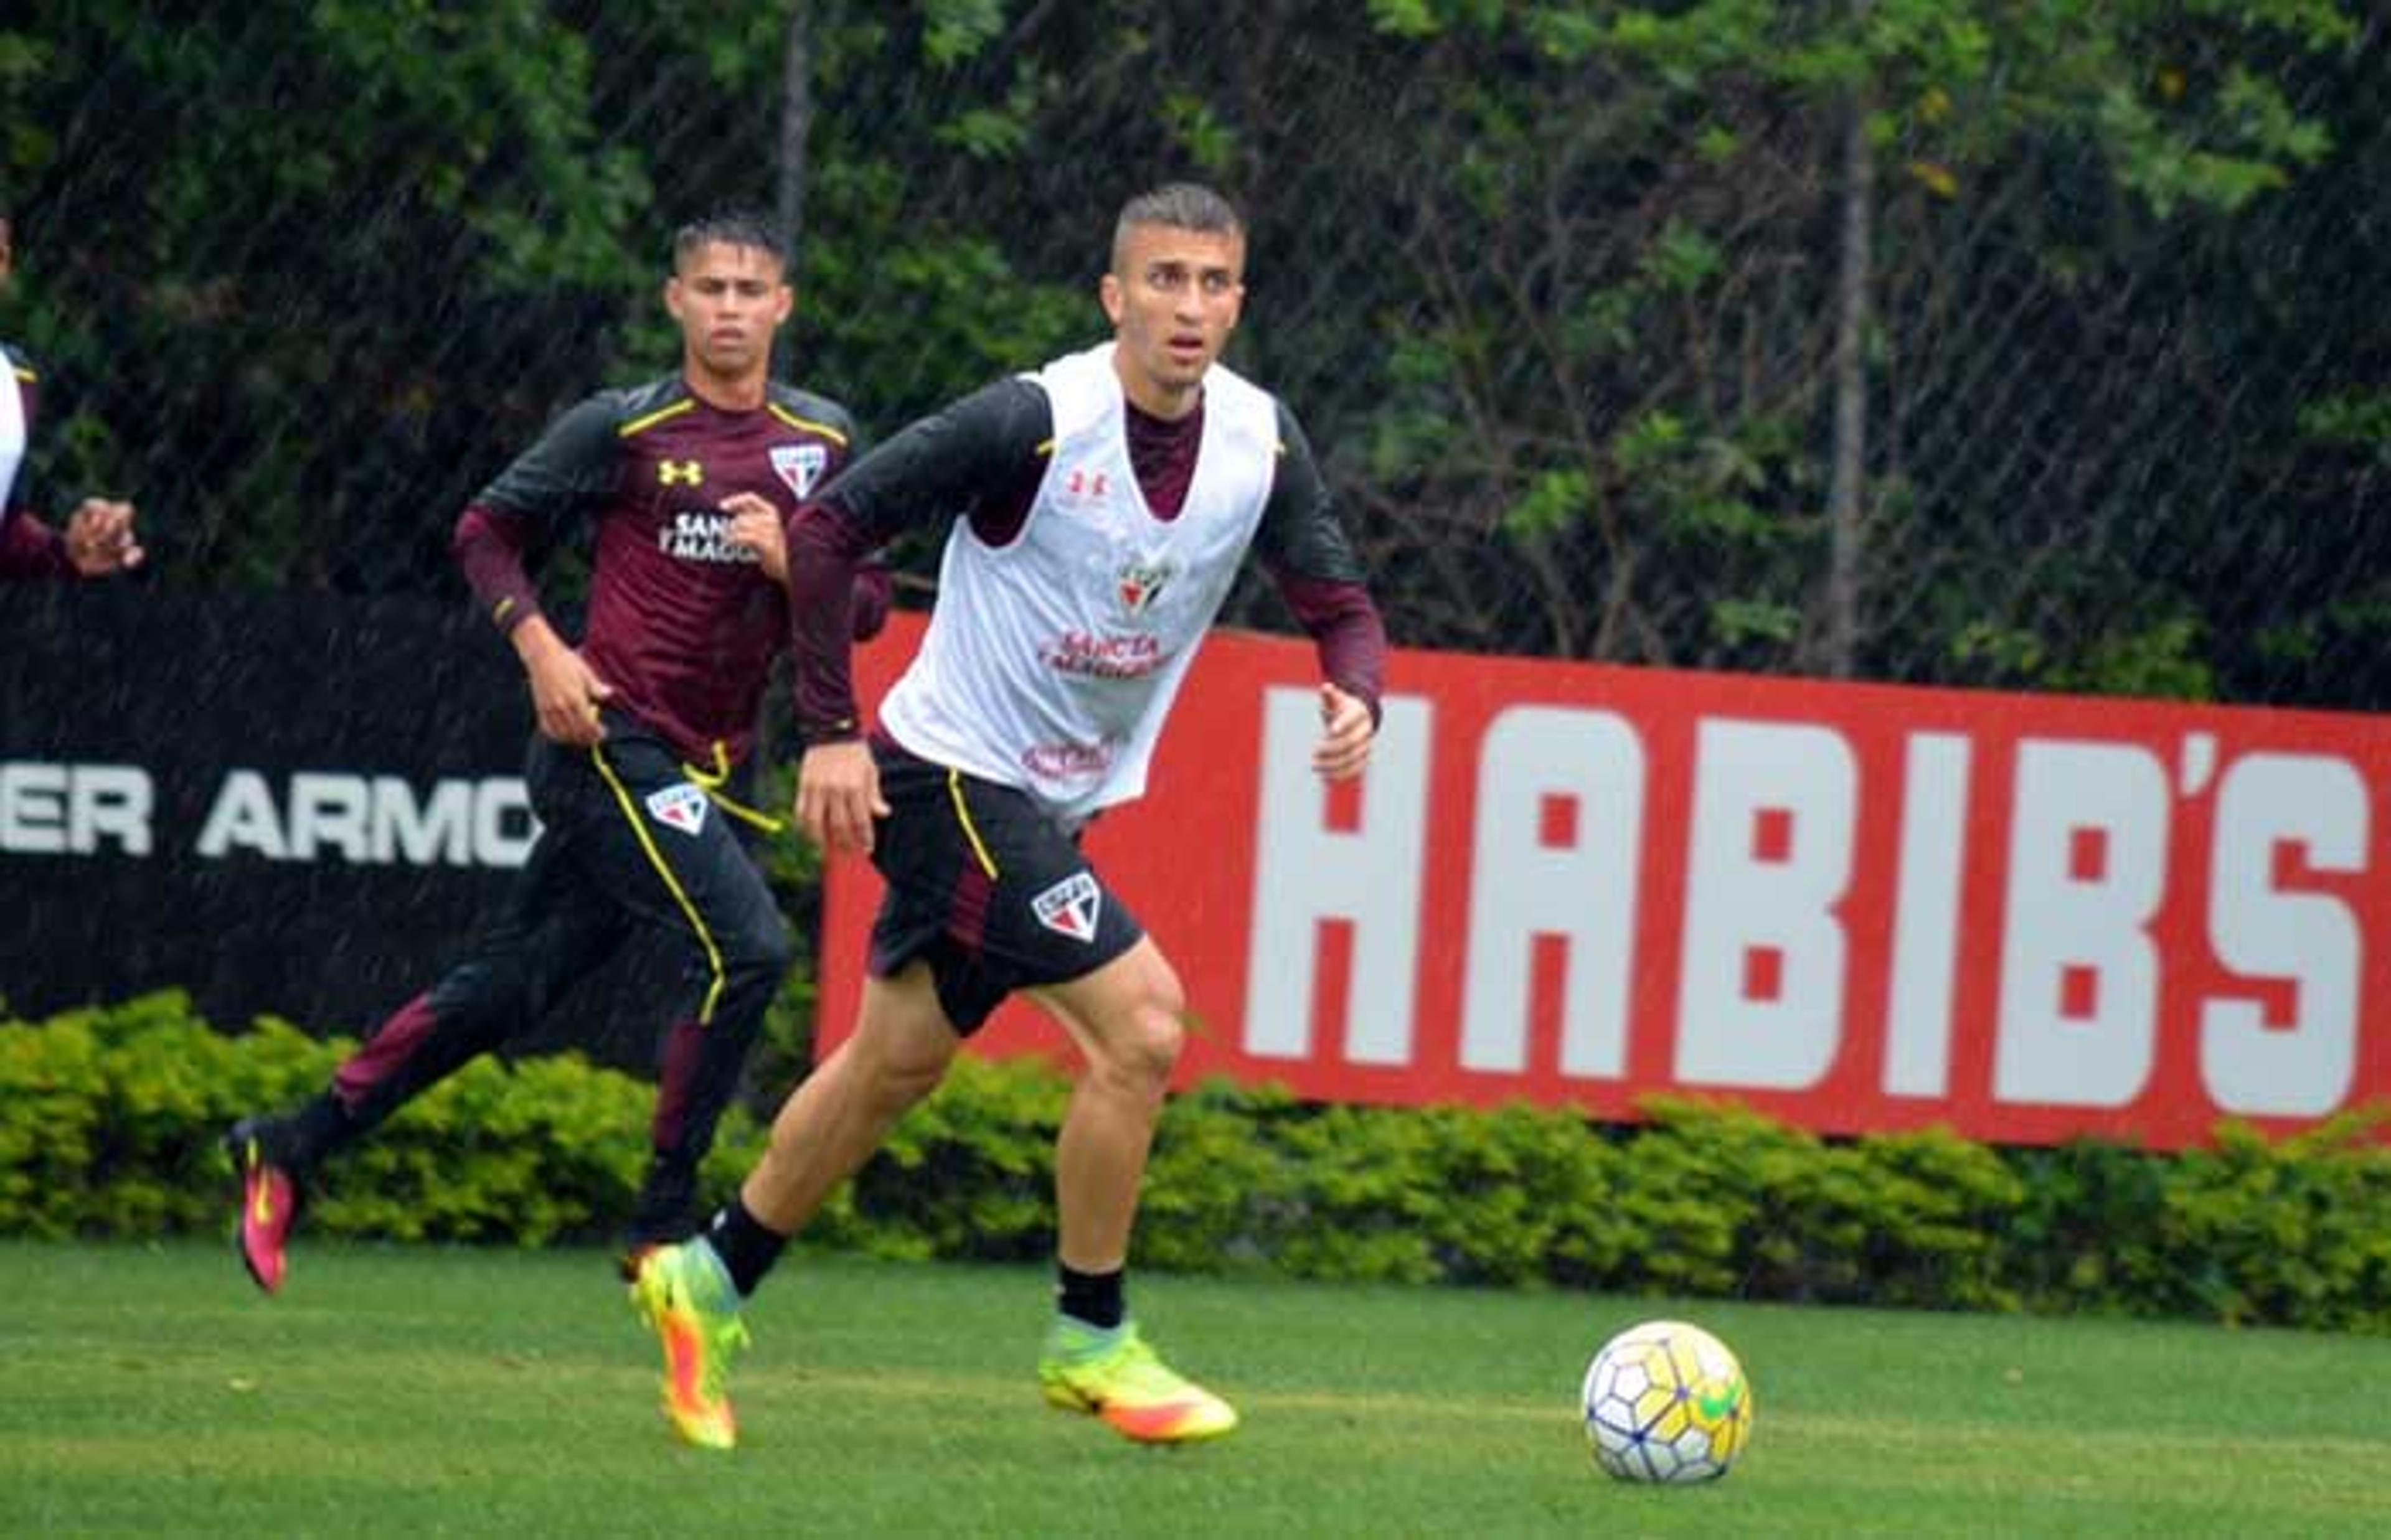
(1101, 508)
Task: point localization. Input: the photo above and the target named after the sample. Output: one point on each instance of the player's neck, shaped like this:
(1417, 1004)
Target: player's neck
(1165, 403)
(743, 392)
(1165, 406)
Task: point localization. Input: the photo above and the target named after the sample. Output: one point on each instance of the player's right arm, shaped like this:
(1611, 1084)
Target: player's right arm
(569, 466)
(980, 458)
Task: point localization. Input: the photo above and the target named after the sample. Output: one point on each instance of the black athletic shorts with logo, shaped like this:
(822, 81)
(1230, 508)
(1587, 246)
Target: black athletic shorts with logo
(986, 887)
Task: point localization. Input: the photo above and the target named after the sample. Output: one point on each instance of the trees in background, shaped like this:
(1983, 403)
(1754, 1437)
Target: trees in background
(1567, 294)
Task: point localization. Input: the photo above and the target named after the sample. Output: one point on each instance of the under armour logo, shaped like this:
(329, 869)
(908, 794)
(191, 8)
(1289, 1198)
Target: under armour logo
(680, 473)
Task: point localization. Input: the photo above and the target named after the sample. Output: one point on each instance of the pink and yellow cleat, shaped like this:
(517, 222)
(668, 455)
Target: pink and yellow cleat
(269, 1201)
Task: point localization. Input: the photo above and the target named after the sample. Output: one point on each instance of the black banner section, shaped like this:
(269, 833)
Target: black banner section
(290, 804)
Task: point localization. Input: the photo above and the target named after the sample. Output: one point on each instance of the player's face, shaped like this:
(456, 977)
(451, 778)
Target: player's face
(729, 300)
(1173, 297)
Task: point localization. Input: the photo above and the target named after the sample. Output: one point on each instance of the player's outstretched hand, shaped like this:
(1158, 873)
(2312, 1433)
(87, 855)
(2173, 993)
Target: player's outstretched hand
(756, 524)
(1346, 730)
(101, 540)
(838, 796)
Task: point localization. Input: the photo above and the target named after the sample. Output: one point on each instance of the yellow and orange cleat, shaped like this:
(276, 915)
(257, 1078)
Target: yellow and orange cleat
(1115, 1376)
(687, 1299)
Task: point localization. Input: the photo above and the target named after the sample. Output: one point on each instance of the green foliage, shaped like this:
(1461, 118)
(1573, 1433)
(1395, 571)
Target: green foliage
(2254, 1232)
(322, 192)
(2352, 420)
(2161, 661)
(1985, 647)
(959, 28)
(1551, 501)
(304, 274)
(968, 1173)
(108, 1120)
(53, 1092)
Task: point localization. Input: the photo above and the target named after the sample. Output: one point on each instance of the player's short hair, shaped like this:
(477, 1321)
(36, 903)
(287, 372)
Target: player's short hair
(735, 227)
(1177, 206)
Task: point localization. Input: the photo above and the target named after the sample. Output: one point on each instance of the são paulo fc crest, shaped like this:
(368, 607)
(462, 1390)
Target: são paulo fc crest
(680, 807)
(1140, 583)
(800, 465)
(1070, 906)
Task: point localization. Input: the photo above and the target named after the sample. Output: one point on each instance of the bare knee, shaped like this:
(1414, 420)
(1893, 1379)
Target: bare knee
(903, 1044)
(901, 1074)
(896, 1057)
(1140, 1047)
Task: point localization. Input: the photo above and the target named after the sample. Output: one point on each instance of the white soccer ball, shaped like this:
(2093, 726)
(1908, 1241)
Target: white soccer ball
(1666, 1402)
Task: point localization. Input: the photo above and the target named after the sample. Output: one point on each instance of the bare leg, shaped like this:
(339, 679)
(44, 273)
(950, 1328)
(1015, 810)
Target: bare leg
(1125, 1017)
(832, 1123)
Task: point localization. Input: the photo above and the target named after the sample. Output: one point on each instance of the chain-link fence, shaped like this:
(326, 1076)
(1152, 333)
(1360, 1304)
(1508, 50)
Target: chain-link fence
(1559, 291)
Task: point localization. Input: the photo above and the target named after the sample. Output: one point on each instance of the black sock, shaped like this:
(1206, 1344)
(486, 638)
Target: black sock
(747, 1248)
(320, 1126)
(1098, 1298)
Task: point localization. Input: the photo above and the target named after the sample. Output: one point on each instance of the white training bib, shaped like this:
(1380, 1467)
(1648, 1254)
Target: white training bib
(1051, 662)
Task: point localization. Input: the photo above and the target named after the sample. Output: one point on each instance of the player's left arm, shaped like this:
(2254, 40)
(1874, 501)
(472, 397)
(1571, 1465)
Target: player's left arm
(30, 549)
(1303, 546)
(97, 540)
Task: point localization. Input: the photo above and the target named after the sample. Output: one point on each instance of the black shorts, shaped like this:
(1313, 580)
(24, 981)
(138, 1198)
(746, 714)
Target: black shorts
(986, 887)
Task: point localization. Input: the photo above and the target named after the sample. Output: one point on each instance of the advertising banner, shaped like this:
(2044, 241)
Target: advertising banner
(295, 805)
(1860, 909)
(2025, 917)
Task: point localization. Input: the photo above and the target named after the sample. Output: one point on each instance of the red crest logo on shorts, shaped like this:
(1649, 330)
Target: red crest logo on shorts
(680, 807)
(1070, 906)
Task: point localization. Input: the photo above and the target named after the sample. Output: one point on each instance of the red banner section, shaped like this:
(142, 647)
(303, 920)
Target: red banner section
(1856, 907)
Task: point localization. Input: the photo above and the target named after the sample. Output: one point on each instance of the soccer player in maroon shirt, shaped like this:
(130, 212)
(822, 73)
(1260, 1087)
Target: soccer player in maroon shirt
(644, 731)
(98, 537)
(1101, 507)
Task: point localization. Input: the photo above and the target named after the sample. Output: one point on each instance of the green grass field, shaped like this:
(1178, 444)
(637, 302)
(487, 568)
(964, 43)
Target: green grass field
(422, 1391)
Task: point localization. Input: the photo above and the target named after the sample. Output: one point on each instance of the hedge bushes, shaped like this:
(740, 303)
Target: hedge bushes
(108, 1123)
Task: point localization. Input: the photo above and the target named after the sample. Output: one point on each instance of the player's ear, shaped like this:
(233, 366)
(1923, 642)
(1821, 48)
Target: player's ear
(1108, 290)
(673, 297)
(785, 299)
